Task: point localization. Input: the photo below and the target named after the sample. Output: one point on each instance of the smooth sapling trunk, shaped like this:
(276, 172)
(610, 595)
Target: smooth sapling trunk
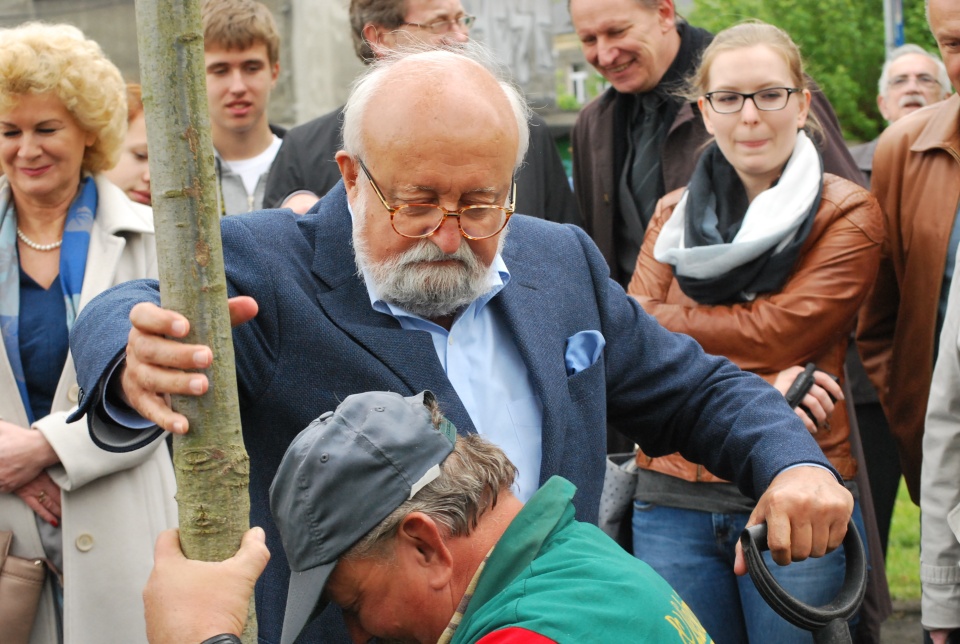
(211, 463)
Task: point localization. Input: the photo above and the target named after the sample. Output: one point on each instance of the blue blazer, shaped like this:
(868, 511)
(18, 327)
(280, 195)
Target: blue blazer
(317, 340)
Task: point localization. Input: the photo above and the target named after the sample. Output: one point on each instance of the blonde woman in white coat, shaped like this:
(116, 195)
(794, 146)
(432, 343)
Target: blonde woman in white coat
(67, 234)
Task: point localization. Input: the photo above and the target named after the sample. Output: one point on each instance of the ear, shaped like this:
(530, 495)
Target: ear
(667, 14)
(705, 113)
(379, 37)
(804, 110)
(349, 168)
(420, 542)
(882, 105)
(274, 74)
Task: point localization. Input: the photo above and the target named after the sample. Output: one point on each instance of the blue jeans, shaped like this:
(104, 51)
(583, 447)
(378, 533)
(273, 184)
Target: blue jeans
(694, 551)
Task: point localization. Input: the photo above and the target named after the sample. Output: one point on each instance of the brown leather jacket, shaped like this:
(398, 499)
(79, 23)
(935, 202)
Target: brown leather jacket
(916, 179)
(809, 320)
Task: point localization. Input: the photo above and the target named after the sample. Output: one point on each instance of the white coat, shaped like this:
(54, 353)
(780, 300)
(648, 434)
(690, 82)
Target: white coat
(113, 505)
(940, 481)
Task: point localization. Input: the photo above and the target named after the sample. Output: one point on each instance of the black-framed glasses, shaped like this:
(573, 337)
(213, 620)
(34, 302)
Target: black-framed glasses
(770, 99)
(444, 25)
(416, 221)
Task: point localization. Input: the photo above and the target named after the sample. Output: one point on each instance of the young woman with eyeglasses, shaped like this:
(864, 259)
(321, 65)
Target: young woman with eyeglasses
(762, 258)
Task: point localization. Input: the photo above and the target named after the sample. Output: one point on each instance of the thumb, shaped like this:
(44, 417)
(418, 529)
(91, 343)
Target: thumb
(242, 309)
(739, 563)
(253, 554)
(168, 547)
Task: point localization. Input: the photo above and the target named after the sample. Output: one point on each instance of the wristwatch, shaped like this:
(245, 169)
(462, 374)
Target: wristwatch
(225, 638)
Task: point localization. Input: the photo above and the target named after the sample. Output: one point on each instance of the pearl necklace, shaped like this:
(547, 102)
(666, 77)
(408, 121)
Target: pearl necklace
(34, 245)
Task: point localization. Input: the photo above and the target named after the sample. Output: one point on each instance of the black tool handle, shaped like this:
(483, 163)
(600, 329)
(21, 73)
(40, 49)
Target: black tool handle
(810, 618)
(800, 386)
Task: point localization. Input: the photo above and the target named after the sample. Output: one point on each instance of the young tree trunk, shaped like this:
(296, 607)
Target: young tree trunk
(211, 463)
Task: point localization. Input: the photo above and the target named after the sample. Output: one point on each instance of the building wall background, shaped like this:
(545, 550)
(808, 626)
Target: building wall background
(316, 58)
(534, 39)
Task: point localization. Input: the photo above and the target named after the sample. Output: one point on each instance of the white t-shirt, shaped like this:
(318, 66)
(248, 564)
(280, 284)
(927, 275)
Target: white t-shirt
(250, 170)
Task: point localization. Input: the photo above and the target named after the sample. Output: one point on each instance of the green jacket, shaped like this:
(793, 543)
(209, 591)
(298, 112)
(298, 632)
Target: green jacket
(551, 578)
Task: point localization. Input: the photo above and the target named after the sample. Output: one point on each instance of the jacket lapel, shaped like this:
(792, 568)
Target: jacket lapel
(114, 214)
(343, 297)
(527, 303)
(102, 259)
(938, 132)
(11, 409)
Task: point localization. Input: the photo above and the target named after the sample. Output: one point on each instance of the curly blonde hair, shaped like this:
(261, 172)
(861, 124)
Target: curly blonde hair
(38, 58)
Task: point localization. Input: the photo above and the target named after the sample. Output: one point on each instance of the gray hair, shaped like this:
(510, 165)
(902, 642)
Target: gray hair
(904, 50)
(471, 479)
(429, 58)
(648, 4)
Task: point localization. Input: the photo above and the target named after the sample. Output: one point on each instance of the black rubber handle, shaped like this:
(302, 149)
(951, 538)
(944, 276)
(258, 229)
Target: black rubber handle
(810, 618)
(801, 386)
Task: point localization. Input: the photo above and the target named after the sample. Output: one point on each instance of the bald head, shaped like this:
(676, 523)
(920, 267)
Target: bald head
(451, 96)
(455, 102)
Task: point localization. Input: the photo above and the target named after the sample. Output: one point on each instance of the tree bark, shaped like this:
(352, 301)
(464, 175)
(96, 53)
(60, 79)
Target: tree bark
(211, 464)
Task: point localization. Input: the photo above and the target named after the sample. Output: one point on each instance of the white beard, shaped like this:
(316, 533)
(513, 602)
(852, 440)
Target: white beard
(413, 282)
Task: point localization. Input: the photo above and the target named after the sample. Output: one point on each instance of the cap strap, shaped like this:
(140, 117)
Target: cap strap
(428, 477)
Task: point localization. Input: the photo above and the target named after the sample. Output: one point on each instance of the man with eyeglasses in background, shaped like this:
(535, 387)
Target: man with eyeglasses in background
(916, 179)
(911, 78)
(305, 168)
(407, 277)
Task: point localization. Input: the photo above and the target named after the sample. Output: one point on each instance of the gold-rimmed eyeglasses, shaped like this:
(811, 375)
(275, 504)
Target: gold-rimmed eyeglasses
(444, 25)
(416, 220)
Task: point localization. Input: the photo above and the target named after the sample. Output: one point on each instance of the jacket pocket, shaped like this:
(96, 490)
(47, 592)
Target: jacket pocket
(588, 383)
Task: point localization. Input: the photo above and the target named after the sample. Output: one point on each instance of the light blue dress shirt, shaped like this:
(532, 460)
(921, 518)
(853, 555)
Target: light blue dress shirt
(483, 364)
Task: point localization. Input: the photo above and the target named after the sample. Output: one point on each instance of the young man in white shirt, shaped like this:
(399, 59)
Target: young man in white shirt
(242, 62)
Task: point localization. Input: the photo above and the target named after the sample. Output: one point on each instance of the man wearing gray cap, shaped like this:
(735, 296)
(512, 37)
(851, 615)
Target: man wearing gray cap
(416, 534)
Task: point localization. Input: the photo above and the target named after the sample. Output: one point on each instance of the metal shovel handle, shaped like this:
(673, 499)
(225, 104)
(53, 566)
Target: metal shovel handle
(810, 618)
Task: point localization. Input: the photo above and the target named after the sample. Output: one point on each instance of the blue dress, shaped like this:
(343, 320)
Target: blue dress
(43, 340)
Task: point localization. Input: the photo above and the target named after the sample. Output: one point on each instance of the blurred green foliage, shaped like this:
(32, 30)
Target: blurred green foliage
(842, 42)
(568, 102)
(903, 549)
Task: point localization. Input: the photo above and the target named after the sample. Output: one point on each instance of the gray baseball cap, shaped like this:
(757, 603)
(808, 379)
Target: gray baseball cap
(343, 475)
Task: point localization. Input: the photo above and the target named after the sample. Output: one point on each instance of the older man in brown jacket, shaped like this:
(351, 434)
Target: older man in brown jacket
(916, 179)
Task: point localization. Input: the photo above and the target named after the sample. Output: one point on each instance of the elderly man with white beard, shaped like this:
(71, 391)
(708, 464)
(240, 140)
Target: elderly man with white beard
(523, 338)
(911, 78)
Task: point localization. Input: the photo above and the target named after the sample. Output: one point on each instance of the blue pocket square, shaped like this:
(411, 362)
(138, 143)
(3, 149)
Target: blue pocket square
(583, 349)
